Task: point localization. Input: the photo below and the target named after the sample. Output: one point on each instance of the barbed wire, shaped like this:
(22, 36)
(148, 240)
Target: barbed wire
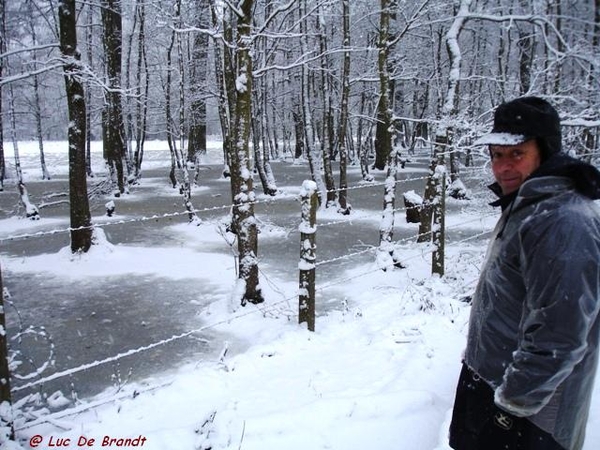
(263, 309)
(155, 217)
(401, 241)
(87, 406)
(70, 372)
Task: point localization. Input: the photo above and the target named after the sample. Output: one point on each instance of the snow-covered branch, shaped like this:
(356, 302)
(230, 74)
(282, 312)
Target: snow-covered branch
(29, 74)
(28, 49)
(455, 56)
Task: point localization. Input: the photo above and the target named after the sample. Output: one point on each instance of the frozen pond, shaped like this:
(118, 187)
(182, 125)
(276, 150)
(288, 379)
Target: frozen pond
(92, 319)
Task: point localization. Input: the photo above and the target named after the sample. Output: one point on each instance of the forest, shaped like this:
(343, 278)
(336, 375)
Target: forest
(357, 82)
(337, 84)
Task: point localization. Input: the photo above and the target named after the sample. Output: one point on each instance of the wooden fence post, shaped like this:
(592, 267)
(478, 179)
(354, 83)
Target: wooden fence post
(6, 419)
(308, 229)
(439, 222)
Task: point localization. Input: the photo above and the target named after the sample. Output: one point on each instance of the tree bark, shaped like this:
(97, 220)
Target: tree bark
(37, 110)
(113, 42)
(384, 127)
(198, 88)
(81, 229)
(239, 88)
(31, 211)
(328, 120)
(343, 125)
(142, 103)
(312, 148)
(2, 50)
(88, 92)
(386, 254)
(6, 418)
(222, 66)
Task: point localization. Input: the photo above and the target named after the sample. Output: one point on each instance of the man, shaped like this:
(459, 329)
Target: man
(532, 345)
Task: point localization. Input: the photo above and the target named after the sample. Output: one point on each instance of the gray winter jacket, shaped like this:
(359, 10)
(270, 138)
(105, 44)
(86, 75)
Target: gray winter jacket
(534, 328)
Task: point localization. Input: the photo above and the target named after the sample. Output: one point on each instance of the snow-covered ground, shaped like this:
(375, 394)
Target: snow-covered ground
(379, 372)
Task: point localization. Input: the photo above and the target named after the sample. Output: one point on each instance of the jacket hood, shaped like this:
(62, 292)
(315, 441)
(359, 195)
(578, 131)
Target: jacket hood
(585, 177)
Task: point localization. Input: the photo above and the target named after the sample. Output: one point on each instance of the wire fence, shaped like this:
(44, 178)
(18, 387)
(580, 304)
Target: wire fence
(273, 307)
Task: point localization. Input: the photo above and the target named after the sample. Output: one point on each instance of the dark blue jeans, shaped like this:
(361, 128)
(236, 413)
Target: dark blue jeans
(478, 424)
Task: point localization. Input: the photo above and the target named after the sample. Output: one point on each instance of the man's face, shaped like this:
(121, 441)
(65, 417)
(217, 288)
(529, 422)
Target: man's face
(512, 164)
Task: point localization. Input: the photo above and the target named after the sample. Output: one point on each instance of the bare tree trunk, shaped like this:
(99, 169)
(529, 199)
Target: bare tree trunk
(238, 85)
(259, 123)
(179, 171)
(7, 417)
(312, 148)
(298, 130)
(343, 125)
(386, 254)
(526, 47)
(222, 65)
(142, 99)
(444, 131)
(81, 229)
(2, 50)
(31, 211)
(111, 20)
(501, 61)
(260, 151)
(168, 119)
(270, 178)
(560, 46)
(198, 88)
(37, 110)
(384, 130)
(362, 143)
(242, 185)
(439, 222)
(88, 92)
(128, 123)
(327, 125)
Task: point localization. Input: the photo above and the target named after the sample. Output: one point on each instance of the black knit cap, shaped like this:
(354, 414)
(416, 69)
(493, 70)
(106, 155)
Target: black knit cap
(523, 119)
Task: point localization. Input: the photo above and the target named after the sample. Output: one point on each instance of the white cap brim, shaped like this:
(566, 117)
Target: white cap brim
(501, 139)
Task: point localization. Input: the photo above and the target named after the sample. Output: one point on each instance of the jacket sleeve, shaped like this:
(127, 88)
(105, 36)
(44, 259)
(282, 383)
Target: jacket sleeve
(560, 263)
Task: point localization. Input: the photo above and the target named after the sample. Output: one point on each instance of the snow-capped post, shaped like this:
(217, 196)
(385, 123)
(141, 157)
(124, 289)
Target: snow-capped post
(308, 229)
(439, 219)
(6, 419)
(110, 208)
(413, 203)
